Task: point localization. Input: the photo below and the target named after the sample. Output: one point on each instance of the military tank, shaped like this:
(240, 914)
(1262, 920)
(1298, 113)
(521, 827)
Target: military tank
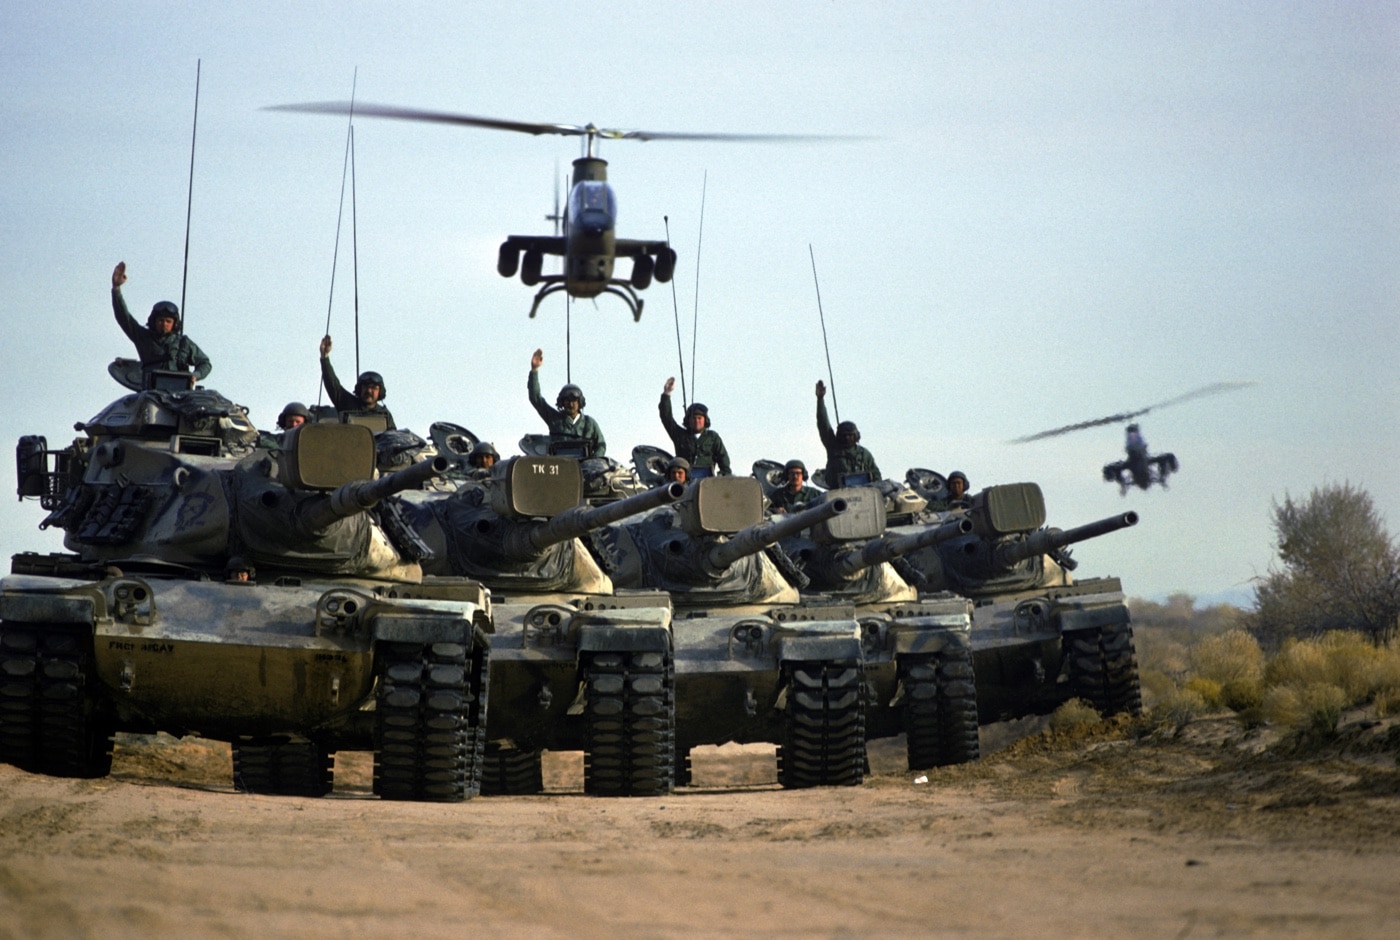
(576, 665)
(917, 646)
(1039, 636)
(243, 593)
(754, 661)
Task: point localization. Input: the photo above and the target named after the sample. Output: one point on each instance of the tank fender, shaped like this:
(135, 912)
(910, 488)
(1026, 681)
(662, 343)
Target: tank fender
(811, 648)
(1092, 618)
(624, 631)
(425, 627)
(47, 608)
(932, 639)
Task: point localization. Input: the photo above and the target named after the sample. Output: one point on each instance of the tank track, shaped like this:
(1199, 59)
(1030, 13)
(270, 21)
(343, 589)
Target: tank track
(940, 708)
(511, 772)
(630, 723)
(429, 734)
(52, 718)
(823, 740)
(282, 768)
(1103, 669)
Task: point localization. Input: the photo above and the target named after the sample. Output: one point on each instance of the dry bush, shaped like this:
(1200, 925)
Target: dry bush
(1179, 708)
(1227, 657)
(1156, 685)
(1073, 714)
(1208, 689)
(1240, 695)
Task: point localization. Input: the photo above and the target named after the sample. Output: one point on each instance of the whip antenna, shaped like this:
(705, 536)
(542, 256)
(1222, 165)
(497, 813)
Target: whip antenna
(355, 247)
(340, 212)
(830, 376)
(695, 314)
(676, 311)
(189, 199)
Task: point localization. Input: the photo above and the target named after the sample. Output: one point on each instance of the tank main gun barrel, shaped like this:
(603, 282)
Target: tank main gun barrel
(1046, 541)
(756, 538)
(532, 539)
(359, 495)
(889, 547)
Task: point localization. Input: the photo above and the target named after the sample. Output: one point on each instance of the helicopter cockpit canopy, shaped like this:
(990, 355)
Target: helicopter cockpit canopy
(592, 207)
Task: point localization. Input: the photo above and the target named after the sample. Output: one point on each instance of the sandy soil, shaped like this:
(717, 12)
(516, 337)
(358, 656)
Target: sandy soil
(1104, 832)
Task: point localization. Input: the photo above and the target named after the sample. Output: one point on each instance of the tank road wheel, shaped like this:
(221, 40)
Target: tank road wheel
(940, 708)
(824, 725)
(281, 768)
(1103, 669)
(52, 718)
(630, 732)
(511, 771)
(427, 723)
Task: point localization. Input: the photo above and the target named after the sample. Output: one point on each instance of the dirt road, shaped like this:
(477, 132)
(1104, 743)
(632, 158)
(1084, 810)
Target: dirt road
(1100, 834)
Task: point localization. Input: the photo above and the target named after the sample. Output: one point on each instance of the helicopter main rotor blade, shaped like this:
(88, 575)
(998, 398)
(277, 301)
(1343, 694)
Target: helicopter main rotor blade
(1215, 388)
(360, 109)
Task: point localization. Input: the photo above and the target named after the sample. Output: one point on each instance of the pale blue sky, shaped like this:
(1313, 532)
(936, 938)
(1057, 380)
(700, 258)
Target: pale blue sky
(1070, 210)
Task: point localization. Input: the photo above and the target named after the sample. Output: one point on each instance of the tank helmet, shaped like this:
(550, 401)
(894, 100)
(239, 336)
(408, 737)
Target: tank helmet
(238, 566)
(372, 378)
(570, 391)
(678, 463)
(294, 409)
(695, 408)
(959, 475)
(481, 450)
(1132, 429)
(794, 464)
(848, 427)
(164, 309)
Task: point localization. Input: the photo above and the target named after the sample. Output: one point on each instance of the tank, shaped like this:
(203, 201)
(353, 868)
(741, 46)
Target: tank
(917, 645)
(1040, 636)
(576, 665)
(243, 589)
(755, 662)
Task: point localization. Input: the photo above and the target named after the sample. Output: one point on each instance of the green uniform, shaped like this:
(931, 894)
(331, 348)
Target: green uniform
(561, 426)
(173, 352)
(346, 401)
(704, 450)
(785, 499)
(841, 461)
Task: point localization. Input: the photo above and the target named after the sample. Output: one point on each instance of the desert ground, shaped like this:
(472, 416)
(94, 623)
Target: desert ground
(1107, 830)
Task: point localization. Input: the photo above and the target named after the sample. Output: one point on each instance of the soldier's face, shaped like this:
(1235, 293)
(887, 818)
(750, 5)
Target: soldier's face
(795, 478)
(957, 487)
(848, 439)
(676, 475)
(572, 407)
(292, 421)
(696, 422)
(370, 394)
(163, 326)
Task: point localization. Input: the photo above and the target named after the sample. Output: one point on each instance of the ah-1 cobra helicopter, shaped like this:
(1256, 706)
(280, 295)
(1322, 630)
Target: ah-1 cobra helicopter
(589, 245)
(1140, 469)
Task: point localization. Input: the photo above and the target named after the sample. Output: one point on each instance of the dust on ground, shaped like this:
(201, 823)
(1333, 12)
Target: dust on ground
(1107, 830)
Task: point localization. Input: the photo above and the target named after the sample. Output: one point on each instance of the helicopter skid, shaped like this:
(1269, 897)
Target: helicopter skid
(616, 287)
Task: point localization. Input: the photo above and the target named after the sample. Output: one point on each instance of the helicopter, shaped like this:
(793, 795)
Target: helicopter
(1141, 468)
(589, 244)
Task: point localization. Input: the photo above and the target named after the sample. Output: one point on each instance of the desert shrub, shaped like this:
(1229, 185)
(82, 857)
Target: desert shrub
(1241, 695)
(1156, 685)
(1387, 701)
(1207, 689)
(1073, 714)
(1298, 664)
(1282, 705)
(1228, 656)
(1322, 706)
(1177, 709)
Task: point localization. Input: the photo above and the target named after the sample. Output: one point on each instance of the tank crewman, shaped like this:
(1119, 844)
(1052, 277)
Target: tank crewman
(844, 455)
(957, 498)
(160, 344)
(696, 442)
(293, 415)
(794, 495)
(482, 459)
(678, 470)
(368, 396)
(566, 420)
(1134, 444)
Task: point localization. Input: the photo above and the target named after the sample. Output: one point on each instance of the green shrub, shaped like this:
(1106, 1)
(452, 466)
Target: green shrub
(1242, 694)
(1074, 714)
(1208, 690)
(1229, 656)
